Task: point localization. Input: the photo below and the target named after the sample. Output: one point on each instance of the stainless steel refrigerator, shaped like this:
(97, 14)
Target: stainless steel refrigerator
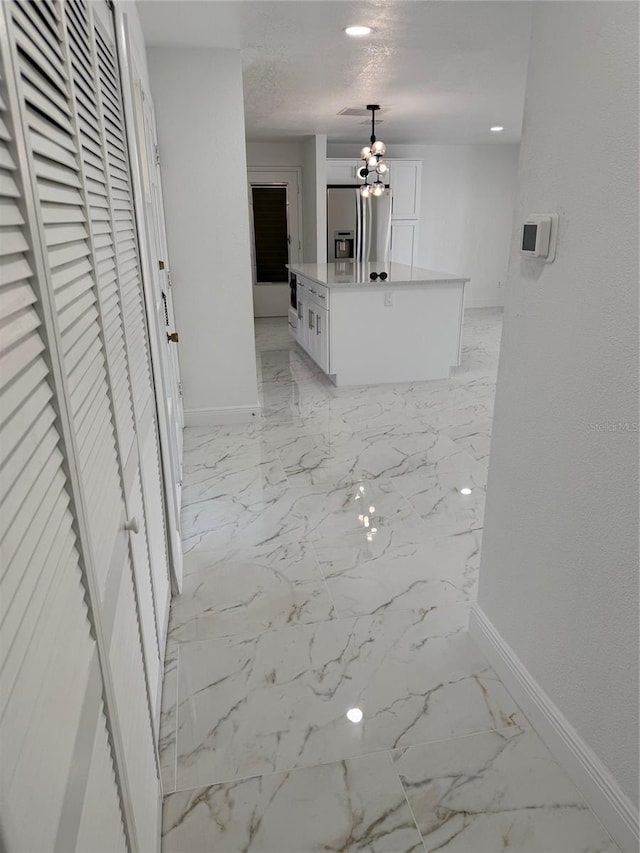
(358, 229)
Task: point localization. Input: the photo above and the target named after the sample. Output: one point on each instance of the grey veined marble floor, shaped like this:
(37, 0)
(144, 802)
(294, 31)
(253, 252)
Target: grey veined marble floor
(330, 561)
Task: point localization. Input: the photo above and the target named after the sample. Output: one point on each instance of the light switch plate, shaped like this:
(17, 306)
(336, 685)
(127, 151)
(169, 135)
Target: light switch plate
(388, 300)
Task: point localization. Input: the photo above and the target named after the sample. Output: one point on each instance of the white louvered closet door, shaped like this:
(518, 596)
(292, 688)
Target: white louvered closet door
(112, 310)
(57, 761)
(67, 94)
(149, 491)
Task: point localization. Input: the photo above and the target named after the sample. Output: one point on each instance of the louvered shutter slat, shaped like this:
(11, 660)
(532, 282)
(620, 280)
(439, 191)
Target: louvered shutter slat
(44, 39)
(45, 641)
(9, 212)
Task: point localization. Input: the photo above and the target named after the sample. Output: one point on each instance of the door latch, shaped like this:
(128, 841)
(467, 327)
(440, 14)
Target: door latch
(173, 337)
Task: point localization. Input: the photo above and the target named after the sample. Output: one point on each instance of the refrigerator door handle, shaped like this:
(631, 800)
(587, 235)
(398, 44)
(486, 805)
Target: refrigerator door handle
(358, 249)
(367, 229)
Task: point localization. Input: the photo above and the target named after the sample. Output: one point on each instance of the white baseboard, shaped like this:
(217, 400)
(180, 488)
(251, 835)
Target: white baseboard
(221, 415)
(483, 302)
(598, 787)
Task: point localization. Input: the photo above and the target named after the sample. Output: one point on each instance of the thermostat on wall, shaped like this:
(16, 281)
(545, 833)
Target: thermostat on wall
(539, 235)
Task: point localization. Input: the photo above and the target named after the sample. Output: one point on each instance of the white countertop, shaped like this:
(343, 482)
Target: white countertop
(350, 274)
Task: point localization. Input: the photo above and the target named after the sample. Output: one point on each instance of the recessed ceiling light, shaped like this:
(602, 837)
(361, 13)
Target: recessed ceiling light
(355, 715)
(465, 490)
(357, 31)
(497, 128)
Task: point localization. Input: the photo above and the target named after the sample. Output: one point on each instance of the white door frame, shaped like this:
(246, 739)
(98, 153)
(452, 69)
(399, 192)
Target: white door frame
(291, 177)
(131, 82)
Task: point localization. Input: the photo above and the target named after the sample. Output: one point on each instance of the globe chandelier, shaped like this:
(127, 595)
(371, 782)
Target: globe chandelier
(375, 166)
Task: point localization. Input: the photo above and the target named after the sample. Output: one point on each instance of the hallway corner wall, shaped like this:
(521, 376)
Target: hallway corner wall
(199, 108)
(314, 203)
(559, 573)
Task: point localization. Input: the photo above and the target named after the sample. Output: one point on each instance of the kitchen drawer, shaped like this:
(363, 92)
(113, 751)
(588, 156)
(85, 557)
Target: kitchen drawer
(311, 291)
(318, 293)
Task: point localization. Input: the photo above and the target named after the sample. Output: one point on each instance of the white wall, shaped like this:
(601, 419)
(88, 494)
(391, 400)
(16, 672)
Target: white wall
(199, 106)
(314, 199)
(321, 198)
(559, 573)
(274, 154)
(468, 197)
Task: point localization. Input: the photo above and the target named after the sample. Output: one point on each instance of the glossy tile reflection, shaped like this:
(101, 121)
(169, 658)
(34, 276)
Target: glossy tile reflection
(416, 676)
(496, 791)
(352, 805)
(322, 692)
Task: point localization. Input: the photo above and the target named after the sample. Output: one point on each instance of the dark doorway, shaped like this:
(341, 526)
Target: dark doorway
(270, 233)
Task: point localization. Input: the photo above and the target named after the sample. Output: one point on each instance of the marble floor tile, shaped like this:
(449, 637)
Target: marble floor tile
(475, 438)
(293, 399)
(278, 700)
(167, 734)
(329, 563)
(285, 365)
(249, 591)
(437, 498)
(384, 452)
(367, 575)
(246, 470)
(497, 791)
(349, 806)
(300, 513)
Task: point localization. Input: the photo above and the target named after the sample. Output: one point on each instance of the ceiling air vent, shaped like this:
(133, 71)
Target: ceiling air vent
(357, 112)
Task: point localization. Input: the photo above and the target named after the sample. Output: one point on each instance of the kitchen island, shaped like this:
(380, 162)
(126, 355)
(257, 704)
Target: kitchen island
(406, 328)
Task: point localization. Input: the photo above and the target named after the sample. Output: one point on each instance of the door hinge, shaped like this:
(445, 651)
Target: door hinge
(157, 148)
(168, 277)
(180, 388)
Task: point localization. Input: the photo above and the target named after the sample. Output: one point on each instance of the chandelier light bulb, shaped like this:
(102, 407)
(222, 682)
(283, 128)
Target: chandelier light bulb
(382, 168)
(365, 191)
(362, 173)
(365, 153)
(378, 147)
(372, 161)
(378, 188)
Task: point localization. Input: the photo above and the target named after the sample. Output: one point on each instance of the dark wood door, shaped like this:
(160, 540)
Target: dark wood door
(270, 233)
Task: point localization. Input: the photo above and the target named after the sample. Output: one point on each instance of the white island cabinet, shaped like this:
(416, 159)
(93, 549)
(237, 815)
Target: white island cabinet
(360, 331)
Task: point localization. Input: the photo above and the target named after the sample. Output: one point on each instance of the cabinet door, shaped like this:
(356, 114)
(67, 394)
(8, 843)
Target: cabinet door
(342, 171)
(404, 242)
(310, 325)
(406, 178)
(300, 328)
(322, 339)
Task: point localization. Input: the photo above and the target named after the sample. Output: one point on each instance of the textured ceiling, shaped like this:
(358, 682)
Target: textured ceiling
(443, 71)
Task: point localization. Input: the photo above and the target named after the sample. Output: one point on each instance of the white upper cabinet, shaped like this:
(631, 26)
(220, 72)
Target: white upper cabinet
(342, 171)
(406, 180)
(405, 177)
(404, 242)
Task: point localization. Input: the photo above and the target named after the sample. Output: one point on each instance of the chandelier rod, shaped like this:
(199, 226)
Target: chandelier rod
(373, 108)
